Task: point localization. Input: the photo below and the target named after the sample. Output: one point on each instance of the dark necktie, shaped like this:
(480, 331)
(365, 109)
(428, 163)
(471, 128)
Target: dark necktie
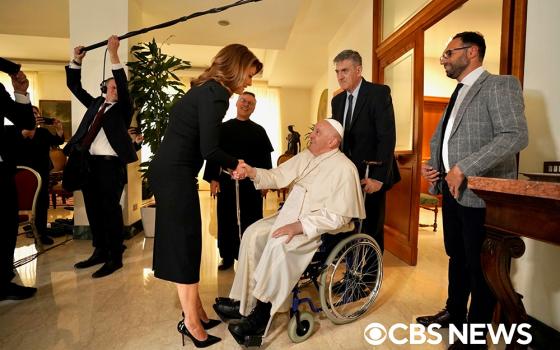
(95, 127)
(445, 121)
(348, 119)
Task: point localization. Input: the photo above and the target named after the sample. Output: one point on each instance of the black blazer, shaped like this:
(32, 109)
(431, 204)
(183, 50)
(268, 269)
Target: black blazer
(193, 134)
(117, 119)
(21, 115)
(372, 132)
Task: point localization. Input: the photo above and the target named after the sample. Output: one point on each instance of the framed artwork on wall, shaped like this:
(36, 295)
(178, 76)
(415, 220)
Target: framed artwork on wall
(58, 109)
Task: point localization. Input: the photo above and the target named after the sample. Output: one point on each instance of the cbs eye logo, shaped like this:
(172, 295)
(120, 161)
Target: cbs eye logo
(375, 334)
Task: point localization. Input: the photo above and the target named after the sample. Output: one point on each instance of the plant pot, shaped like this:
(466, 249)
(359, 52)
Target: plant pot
(148, 220)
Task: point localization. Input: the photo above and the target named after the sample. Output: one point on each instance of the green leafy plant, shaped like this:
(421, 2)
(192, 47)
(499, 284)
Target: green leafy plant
(154, 88)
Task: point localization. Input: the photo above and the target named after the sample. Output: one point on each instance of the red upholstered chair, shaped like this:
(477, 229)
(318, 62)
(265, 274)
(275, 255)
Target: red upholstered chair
(28, 184)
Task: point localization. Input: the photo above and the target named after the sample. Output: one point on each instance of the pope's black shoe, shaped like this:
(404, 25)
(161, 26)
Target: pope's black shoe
(443, 318)
(108, 268)
(250, 330)
(95, 259)
(227, 309)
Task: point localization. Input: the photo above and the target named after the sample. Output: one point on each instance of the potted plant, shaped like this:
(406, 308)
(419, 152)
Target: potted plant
(154, 88)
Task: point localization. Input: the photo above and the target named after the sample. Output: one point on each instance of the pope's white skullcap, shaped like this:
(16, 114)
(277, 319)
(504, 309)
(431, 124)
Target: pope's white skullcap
(337, 126)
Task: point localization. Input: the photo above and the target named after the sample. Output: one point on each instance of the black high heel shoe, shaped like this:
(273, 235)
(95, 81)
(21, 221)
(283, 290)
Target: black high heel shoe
(206, 325)
(211, 340)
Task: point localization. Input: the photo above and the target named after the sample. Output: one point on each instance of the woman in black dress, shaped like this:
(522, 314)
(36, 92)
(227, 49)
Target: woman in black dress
(191, 137)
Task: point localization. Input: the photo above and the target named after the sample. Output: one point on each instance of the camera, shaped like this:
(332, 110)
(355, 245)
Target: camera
(48, 121)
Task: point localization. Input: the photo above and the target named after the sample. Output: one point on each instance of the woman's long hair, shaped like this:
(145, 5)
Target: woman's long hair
(229, 66)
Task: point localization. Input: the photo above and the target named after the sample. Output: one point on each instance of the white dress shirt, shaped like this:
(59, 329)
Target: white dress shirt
(467, 82)
(100, 145)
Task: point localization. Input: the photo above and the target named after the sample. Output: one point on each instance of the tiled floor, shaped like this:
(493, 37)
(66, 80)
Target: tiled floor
(133, 310)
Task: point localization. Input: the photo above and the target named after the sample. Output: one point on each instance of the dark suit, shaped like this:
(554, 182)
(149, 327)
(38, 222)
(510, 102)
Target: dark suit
(108, 174)
(22, 116)
(371, 137)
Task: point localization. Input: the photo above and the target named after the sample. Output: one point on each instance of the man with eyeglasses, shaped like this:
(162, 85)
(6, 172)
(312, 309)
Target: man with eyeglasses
(247, 140)
(481, 131)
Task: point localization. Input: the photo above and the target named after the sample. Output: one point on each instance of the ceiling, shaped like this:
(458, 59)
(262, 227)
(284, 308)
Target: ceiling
(287, 35)
(280, 32)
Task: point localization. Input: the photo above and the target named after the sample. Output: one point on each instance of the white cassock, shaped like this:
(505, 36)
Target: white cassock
(325, 197)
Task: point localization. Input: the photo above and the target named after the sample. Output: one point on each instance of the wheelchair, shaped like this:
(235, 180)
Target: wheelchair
(347, 272)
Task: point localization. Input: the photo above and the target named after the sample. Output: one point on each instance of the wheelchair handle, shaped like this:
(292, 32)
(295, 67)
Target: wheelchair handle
(367, 163)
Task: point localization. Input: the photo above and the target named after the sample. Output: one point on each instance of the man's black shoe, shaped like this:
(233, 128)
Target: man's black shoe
(443, 318)
(12, 291)
(108, 268)
(46, 240)
(95, 259)
(227, 309)
(225, 264)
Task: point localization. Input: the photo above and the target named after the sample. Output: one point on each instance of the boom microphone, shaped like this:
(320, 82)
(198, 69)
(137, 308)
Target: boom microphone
(170, 23)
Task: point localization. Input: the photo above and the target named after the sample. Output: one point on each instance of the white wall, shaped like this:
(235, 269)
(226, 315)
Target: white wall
(535, 274)
(90, 25)
(316, 92)
(295, 109)
(51, 85)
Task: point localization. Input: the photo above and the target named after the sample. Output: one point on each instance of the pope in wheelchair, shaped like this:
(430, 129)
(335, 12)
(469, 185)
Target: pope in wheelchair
(276, 251)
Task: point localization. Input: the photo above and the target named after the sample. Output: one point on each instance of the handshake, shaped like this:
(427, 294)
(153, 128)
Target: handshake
(243, 171)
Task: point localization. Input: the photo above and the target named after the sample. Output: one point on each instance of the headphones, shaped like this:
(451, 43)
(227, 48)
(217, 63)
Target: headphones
(103, 86)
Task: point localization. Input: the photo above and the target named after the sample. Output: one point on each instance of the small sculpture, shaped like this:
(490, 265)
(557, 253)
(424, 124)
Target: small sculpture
(294, 144)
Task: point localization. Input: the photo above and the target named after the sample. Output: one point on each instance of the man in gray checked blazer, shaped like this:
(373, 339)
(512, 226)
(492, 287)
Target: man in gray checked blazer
(482, 130)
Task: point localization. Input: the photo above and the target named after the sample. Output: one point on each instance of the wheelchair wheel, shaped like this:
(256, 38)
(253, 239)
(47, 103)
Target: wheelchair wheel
(351, 279)
(305, 329)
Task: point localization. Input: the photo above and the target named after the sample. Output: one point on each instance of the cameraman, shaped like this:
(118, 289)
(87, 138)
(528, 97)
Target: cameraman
(19, 112)
(32, 149)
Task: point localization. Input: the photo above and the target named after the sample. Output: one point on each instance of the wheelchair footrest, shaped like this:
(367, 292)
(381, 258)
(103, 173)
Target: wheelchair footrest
(248, 340)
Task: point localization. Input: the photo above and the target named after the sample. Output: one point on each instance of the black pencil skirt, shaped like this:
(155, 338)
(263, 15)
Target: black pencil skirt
(178, 232)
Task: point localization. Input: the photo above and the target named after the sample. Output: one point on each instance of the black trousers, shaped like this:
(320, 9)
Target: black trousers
(250, 203)
(375, 217)
(8, 223)
(102, 196)
(464, 233)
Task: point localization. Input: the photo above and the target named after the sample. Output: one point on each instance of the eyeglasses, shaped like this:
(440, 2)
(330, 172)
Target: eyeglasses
(447, 53)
